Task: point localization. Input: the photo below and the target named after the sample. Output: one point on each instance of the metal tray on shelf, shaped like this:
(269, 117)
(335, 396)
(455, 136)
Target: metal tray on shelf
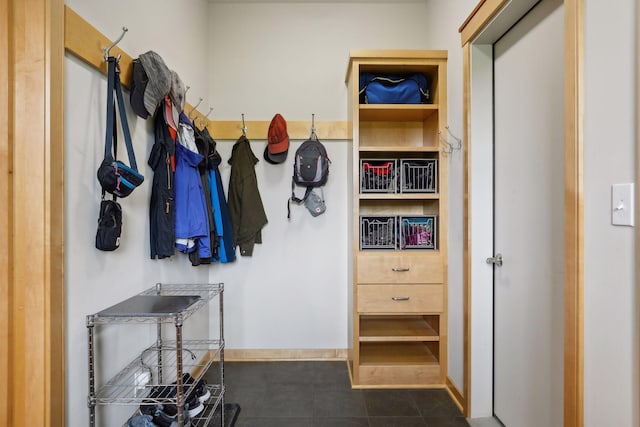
(162, 302)
(150, 306)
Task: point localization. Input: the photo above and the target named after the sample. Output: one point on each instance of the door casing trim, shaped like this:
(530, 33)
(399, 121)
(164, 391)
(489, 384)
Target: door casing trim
(485, 15)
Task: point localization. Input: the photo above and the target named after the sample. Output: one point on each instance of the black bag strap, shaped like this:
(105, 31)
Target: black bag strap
(295, 199)
(293, 194)
(114, 133)
(113, 83)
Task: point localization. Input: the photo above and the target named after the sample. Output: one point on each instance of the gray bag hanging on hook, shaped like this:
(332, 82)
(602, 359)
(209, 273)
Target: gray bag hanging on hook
(315, 203)
(310, 170)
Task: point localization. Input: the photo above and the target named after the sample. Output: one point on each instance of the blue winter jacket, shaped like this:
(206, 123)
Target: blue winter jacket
(221, 215)
(192, 220)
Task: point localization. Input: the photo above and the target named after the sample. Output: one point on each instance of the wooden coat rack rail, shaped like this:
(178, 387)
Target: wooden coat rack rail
(87, 43)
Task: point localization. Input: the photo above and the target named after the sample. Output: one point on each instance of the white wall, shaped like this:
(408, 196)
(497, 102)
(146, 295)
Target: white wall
(443, 20)
(291, 58)
(95, 280)
(610, 295)
(301, 51)
(252, 59)
(611, 394)
(481, 175)
(278, 298)
(177, 30)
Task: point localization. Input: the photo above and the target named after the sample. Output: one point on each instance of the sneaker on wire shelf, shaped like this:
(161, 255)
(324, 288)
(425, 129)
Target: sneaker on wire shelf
(165, 414)
(161, 419)
(200, 388)
(193, 403)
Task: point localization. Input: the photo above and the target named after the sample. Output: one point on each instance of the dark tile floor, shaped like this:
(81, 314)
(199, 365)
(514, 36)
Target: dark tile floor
(318, 394)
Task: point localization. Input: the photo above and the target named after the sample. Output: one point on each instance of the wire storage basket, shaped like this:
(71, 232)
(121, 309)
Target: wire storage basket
(377, 232)
(378, 176)
(418, 232)
(419, 175)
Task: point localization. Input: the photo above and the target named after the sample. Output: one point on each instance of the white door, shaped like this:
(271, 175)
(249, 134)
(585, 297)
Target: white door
(529, 220)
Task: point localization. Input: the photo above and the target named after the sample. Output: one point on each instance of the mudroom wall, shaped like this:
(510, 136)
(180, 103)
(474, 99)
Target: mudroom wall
(95, 280)
(291, 58)
(444, 19)
(610, 252)
(255, 59)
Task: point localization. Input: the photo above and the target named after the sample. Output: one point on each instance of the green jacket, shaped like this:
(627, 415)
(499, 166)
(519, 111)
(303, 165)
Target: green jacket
(245, 204)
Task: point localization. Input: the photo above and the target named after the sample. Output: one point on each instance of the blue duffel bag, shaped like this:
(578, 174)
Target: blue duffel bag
(394, 89)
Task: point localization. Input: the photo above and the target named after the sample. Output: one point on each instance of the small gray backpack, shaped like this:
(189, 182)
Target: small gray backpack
(310, 169)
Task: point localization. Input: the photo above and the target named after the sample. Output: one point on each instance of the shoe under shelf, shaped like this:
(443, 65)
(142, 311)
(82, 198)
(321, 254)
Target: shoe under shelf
(211, 405)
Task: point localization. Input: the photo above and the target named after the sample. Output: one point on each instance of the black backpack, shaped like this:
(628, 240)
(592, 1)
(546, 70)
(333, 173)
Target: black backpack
(310, 169)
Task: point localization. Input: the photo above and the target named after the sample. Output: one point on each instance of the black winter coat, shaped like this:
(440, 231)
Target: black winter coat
(161, 206)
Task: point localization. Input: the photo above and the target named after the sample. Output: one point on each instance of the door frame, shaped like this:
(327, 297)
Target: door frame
(489, 20)
(32, 354)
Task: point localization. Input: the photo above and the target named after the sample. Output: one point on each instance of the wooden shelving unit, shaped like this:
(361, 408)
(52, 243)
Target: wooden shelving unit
(399, 323)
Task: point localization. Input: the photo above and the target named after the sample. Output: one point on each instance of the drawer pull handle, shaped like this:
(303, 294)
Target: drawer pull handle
(400, 270)
(400, 298)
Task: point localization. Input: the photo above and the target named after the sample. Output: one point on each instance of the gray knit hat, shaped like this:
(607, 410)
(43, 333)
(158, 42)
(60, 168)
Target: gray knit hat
(159, 83)
(178, 91)
(178, 96)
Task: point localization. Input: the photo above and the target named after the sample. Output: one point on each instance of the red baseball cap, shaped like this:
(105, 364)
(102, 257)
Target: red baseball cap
(277, 141)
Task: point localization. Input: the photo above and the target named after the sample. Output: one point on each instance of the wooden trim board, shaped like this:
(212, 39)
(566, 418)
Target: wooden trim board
(574, 216)
(86, 42)
(32, 332)
(253, 355)
(376, 55)
(297, 130)
(466, 226)
(54, 215)
(455, 394)
(574, 204)
(6, 196)
(479, 19)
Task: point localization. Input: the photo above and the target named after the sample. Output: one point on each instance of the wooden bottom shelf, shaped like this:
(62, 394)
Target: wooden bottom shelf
(399, 376)
(398, 353)
(399, 328)
(398, 364)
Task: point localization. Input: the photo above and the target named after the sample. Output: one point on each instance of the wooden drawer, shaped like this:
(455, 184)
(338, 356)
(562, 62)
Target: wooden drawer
(400, 298)
(400, 268)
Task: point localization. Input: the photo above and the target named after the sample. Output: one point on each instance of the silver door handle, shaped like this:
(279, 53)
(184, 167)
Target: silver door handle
(495, 260)
(400, 298)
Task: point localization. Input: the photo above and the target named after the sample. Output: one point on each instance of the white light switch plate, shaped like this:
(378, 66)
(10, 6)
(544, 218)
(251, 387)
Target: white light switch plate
(622, 204)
